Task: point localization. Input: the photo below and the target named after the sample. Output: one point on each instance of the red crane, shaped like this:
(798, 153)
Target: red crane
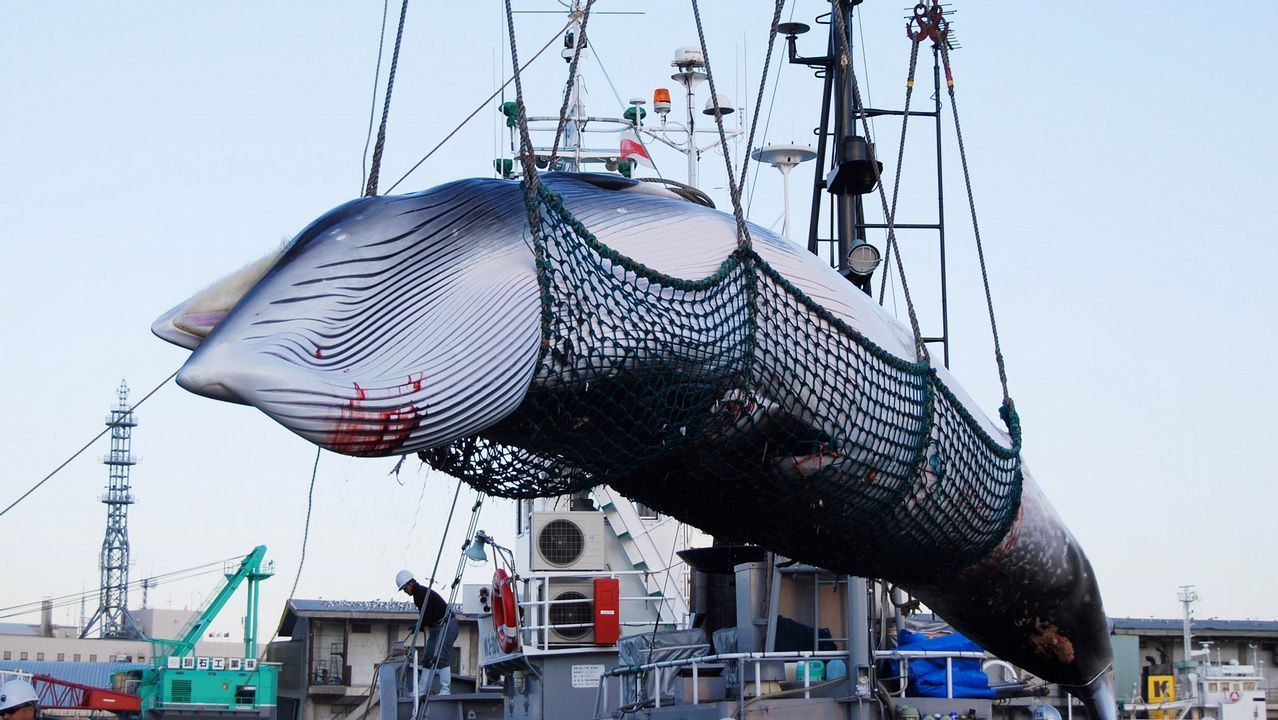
(56, 694)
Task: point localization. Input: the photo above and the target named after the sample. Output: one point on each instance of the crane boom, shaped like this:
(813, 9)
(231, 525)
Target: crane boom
(251, 569)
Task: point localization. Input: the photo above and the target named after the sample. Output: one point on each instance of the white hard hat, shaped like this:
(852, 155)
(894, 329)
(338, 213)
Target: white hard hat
(402, 577)
(16, 693)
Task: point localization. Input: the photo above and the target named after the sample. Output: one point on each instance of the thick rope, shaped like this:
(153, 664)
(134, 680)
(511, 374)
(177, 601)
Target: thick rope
(531, 181)
(377, 78)
(976, 229)
(475, 112)
(763, 82)
(371, 188)
(845, 62)
(900, 162)
(572, 77)
(306, 528)
(743, 233)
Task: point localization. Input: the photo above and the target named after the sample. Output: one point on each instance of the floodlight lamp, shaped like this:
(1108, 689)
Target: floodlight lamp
(863, 259)
(475, 551)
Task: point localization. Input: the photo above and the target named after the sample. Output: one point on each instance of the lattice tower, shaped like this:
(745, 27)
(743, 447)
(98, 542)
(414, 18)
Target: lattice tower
(112, 618)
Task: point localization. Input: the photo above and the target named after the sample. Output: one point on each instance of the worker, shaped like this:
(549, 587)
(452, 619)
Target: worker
(18, 700)
(433, 614)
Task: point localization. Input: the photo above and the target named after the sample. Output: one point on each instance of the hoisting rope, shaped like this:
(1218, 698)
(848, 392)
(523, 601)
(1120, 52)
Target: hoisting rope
(372, 102)
(1008, 410)
(745, 250)
(845, 63)
(929, 23)
(531, 182)
(743, 233)
(479, 107)
(919, 20)
(297, 577)
(579, 45)
(758, 101)
(371, 188)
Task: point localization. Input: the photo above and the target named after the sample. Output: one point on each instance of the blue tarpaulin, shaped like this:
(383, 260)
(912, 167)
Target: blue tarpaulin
(927, 675)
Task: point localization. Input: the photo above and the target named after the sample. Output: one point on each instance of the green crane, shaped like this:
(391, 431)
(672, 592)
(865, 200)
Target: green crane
(178, 680)
(251, 569)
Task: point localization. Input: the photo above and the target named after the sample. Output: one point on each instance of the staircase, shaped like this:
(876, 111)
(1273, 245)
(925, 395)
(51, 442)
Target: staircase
(650, 545)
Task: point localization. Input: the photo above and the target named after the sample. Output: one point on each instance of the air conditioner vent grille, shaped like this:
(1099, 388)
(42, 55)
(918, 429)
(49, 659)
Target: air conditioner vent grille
(566, 614)
(561, 542)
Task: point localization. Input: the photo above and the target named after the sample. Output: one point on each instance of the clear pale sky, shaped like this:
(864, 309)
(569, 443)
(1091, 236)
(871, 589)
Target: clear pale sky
(1122, 154)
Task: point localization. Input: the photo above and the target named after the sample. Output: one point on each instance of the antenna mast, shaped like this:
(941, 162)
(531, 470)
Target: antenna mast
(112, 618)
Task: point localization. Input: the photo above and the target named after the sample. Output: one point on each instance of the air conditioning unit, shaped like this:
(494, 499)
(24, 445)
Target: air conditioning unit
(568, 541)
(571, 612)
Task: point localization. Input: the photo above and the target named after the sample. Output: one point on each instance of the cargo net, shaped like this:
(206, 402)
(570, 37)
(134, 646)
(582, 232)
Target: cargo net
(738, 405)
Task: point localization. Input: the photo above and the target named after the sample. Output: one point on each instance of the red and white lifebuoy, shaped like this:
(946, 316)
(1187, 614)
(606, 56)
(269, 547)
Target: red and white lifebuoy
(1234, 696)
(505, 612)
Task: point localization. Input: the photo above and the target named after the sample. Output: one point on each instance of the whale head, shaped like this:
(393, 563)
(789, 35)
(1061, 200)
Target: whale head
(388, 325)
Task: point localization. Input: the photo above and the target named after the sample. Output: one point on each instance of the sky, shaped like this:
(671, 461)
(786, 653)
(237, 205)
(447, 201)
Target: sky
(1121, 161)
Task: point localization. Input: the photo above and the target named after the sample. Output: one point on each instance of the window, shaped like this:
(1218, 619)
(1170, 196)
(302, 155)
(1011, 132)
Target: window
(62, 657)
(361, 627)
(8, 654)
(76, 657)
(39, 656)
(22, 655)
(93, 658)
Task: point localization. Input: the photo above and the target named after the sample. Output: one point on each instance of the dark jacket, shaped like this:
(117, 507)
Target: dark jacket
(436, 606)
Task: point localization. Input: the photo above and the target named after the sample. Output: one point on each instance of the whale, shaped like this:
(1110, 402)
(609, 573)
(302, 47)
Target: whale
(422, 323)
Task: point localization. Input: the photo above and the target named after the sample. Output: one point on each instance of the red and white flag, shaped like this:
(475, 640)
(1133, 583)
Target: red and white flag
(631, 147)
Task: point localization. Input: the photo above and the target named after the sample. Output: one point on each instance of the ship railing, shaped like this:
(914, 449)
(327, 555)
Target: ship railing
(755, 661)
(904, 656)
(537, 633)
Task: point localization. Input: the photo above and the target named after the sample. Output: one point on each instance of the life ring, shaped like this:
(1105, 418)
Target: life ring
(505, 612)
(1234, 696)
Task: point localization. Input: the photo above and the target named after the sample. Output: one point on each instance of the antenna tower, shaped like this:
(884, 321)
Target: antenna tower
(112, 618)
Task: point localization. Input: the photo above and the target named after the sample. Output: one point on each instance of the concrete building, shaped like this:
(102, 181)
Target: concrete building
(334, 647)
(47, 642)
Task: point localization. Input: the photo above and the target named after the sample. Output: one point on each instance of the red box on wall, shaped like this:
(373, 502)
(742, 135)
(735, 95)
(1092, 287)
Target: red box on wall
(607, 617)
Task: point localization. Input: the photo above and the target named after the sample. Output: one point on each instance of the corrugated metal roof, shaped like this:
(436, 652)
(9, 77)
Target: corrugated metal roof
(96, 674)
(1161, 625)
(363, 609)
(354, 609)
(346, 607)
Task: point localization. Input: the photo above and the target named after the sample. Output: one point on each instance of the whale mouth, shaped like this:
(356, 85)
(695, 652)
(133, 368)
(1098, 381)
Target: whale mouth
(189, 322)
(339, 411)
(203, 377)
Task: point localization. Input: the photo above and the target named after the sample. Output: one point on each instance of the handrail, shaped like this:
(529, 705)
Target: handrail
(757, 658)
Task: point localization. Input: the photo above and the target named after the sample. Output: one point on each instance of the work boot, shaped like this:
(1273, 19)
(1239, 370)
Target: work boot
(445, 680)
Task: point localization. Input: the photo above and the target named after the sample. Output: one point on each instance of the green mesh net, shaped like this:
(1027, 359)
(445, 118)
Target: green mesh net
(738, 405)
